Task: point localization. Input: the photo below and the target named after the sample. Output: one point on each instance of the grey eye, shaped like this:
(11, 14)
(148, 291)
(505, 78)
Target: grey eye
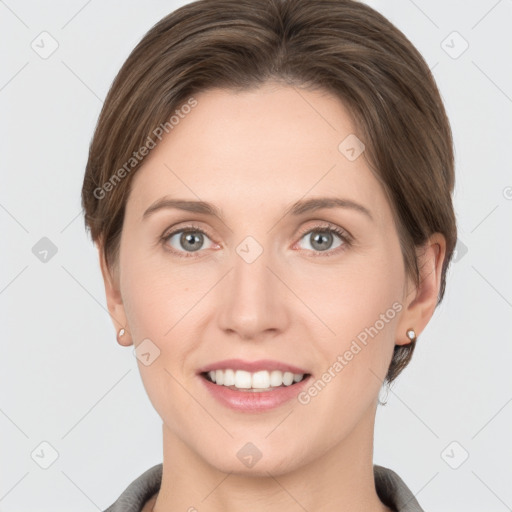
(321, 239)
(188, 240)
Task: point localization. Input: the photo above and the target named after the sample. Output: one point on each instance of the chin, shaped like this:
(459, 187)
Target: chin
(246, 458)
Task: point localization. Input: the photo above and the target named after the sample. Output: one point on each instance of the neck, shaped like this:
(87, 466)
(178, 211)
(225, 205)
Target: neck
(340, 479)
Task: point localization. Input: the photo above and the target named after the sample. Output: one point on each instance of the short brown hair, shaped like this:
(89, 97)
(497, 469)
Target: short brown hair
(342, 46)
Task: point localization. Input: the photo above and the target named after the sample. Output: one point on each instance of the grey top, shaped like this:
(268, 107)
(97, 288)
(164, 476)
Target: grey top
(391, 490)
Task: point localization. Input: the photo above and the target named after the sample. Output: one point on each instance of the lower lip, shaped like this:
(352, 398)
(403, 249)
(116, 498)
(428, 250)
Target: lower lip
(254, 401)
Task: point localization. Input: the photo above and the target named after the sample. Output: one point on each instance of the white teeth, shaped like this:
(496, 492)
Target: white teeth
(229, 378)
(242, 379)
(288, 378)
(276, 378)
(263, 379)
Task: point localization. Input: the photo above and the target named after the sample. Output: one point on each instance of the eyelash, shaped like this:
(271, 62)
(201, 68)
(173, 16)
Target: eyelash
(323, 228)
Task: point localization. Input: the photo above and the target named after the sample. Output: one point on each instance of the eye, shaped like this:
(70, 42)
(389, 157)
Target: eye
(188, 239)
(321, 238)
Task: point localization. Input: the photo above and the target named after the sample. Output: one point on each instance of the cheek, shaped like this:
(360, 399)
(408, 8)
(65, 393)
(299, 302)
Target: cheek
(156, 311)
(148, 305)
(363, 309)
(353, 295)
(355, 363)
(159, 300)
(156, 292)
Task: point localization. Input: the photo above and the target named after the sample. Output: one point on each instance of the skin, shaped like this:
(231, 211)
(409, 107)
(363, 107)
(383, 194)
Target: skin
(253, 154)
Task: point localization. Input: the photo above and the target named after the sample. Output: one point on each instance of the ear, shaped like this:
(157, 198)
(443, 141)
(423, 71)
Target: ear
(113, 296)
(420, 302)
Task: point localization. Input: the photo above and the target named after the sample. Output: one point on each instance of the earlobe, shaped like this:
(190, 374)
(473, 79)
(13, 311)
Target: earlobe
(123, 338)
(411, 334)
(421, 303)
(114, 299)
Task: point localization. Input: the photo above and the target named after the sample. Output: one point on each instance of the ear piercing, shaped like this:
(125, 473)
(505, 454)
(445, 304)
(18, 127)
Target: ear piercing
(120, 334)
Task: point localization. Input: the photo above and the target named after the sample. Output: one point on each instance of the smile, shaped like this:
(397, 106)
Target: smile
(262, 380)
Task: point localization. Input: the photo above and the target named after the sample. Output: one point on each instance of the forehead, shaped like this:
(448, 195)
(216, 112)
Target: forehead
(271, 145)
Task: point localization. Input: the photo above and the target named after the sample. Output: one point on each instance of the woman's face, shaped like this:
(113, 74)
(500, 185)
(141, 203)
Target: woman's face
(262, 282)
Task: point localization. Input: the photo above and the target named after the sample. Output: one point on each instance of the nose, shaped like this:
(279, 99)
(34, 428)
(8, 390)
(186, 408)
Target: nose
(252, 299)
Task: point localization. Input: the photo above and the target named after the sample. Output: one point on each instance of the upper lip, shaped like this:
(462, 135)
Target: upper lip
(251, 366)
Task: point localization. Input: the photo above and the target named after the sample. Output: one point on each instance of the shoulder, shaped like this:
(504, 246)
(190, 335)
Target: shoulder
(139, 491)
(393, 491)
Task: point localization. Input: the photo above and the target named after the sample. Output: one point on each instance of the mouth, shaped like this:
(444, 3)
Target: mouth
(259, 381)
(253, 386)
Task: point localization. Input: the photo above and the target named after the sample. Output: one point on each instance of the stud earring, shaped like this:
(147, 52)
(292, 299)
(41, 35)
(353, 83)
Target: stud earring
(411, 334)
(124, 337)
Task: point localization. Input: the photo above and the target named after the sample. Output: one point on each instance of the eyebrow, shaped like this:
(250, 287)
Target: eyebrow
(297, 208)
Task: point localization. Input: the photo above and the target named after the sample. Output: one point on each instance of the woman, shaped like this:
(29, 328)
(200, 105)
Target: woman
(269, 189)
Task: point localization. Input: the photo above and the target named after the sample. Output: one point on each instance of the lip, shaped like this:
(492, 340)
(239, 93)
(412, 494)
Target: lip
(252, 366)
(254, 401)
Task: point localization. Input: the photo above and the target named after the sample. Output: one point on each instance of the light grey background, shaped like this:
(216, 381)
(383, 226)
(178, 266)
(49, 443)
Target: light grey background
(65, 380)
